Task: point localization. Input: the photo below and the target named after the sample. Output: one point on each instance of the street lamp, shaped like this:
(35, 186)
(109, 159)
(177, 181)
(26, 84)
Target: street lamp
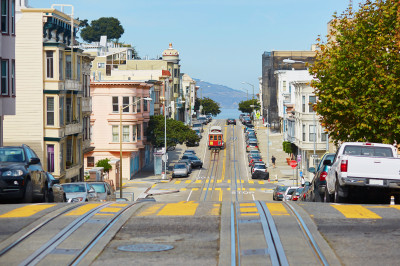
(268, 127)
(121, 108)
(250, 85)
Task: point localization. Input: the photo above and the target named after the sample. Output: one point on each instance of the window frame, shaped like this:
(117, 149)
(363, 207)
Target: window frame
(50, 158)
(90, 161)
(5, 17)
(48, 112)
(311, 103)
(115, 133)
(125, 135)
(49, 64)
(125, 106)
(5, 77)
(115, 104)
(312, 136)
(13, 77)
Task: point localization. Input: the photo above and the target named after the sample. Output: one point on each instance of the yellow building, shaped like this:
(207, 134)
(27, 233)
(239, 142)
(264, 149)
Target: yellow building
(53, 92)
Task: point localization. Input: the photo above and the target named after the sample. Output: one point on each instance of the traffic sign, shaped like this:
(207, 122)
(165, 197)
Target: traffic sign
(293, 164)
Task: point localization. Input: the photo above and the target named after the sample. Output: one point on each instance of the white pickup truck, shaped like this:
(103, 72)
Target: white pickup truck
(364, 172)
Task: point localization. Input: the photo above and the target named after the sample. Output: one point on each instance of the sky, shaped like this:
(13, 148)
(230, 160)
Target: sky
(219, 41)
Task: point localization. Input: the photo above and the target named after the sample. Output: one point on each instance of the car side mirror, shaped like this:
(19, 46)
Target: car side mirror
(327, 162)
(34, 160)
(311, 170)
(307, 183)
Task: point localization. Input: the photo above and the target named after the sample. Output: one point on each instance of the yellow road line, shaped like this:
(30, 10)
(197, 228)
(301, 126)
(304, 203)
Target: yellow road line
(277, 209)
(118, 205)
(224, 161)
(197, 182)
(215, 210)
(219, 181)
(220, 193)
(83, 209)
(251, 182)
(247, 204)
(261, 182)
(252, 189)
(177, 182)
(188, 181)
(110, 210)
(250, 214)
(151, 210)
(183, 208)
(356, 212)
(248, 209)
(183, 189)
(104, 214)
(26, 211)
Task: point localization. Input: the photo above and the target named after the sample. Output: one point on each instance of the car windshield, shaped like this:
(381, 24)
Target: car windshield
(180, 166)
(99, 188)
(282, 188)
(8, 154)
(291, 190)
(193, 158)
(197, 125)
(260, 166)
(73, 188)
(252, 143)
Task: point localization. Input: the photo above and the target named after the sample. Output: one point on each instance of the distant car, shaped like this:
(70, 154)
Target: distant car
(296, 194)
(247, 125)
(189, 151)
(318, 184)
(231, 121)
(251, 140)
(255, 159)
(79, 191)
(251, 146)
(278, 192)
(105, 192)
(260, 166)
(196, 162)
(22, 176)
(198, 132)
(251, 153)
(188, 164)
(209, 118)
(55, 190)
(287, 196)
(198, 125)
(203, 120)
(304, 193)
(180, 169)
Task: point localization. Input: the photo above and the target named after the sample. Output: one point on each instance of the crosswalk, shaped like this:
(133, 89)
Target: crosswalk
(219, 181)
(191, 208)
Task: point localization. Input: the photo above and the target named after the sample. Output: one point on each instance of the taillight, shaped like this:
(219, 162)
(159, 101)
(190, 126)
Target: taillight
(256, 147)
(323, 175)
(343, 166)
(266, 170)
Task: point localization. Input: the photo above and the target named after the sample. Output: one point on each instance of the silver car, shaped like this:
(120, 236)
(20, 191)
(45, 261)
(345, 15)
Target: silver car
(180, 169)
(104, 191)
(79, 191)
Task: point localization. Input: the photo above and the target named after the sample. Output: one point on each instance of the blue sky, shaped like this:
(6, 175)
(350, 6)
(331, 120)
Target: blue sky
(220, 41)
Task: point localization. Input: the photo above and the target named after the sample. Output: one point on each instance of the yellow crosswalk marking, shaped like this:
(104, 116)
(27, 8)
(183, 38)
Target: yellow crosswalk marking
(197, 182)
(118, 205)
(248, 209)
(252, 189)
(183, 208)
(177, 182)
(83, 209)
(215, 210)
(183, 189)
(250, 214)
(247, 204)
(219, 181)
(110, 210)
(277, 209)
(151, 210)
(356, 212)
(251, 182)
(188, 181)
(26, 211)
(261, 182)
(195, 189)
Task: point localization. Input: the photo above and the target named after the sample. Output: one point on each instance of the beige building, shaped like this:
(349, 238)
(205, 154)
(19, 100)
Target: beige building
(53, 92)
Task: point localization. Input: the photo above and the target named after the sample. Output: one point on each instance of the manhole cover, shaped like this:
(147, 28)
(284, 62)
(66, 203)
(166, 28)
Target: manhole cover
(145, 247)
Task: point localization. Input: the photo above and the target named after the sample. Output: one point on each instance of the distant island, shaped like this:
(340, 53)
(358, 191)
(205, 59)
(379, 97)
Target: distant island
(227, 97)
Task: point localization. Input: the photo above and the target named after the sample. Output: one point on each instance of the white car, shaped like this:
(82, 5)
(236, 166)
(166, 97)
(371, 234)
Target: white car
(287, 196)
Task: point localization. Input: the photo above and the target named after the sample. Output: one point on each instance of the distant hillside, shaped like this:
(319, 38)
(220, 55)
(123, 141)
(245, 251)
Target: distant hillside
(228, 98)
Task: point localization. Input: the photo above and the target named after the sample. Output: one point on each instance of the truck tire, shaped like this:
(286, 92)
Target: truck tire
(28, 195)
(317, 196)
(338, 190)
(396, 199)
(327, 196)
(384, 198)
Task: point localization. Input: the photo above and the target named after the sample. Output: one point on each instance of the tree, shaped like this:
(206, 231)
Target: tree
(358, 74)
(209, 106)
(103, 26)
(177, 132)
(104, 163)
(245, 106)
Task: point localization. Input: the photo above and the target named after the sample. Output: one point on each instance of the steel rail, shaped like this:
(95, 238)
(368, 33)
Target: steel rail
(36, 228)
(311, 241)
(203, 184)
(50, 245)
(214, 164)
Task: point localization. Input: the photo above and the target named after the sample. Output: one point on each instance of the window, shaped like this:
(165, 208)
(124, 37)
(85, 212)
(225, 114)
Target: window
(50, 111)
(115, 134)
(78, 68)
(176, 73)
(303, 102)
(69, 153)
(313, 136)
(134, 104)
(138, 106)
(157, 97)
(284, 85)
(13, 77)
(145, 105)
(324, 136)
(68, 67)
(311, 101)
(139, 131)
(50, 158)
(101, 65)
(13, 16)
(61, 110)
(78, 109)
(4, 16)
(90, 161)
(49, 64)
(115, 104)
(125, 104)
(61, 65)
(304, 132)
(125, 133)
(134, 133)
(4, 77)
(62, 157)
(79, 150)
(69, 109)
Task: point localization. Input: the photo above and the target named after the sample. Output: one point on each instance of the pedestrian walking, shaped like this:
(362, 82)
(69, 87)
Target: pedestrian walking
(273, 159)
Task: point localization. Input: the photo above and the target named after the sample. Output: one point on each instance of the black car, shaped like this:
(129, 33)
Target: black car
(231, 121)
(318, 184)
(196, 162)
(278, 192)
(22, 176)
(55, 190)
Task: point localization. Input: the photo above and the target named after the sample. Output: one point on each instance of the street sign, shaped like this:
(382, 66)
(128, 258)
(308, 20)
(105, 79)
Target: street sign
(293, 164)
(301, 173)
(298, 158)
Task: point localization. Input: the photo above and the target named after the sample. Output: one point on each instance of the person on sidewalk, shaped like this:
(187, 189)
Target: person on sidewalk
(273, 159)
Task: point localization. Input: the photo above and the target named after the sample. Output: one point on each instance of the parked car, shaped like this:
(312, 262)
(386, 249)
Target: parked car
(105, 192)
(202, 119)
(189, 151)
(251, 140)
(198, 132)
(287, 196)
(251, 146)
(279, 190)
(180, 169)
(188, 164)
(55, 190)
(231, 121)
(304, 193)
(22, 176)
(198, 125)
(296, 194)
(247, 125)
(318, 184)
(209, 118)
(259, 166)
(196, 162)
(251, 153)
(255, 159)
(79, 191)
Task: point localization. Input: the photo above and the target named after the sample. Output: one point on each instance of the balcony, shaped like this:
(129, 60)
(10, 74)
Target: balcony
(72, 85)
(87, 104)
(73, 128)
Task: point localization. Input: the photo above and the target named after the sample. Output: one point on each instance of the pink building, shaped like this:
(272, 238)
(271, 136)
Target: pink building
(107, 97)
(7, 61)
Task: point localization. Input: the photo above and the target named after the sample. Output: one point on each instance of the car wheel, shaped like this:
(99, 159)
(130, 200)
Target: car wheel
(396, 199)
(28, 195)
(327, 196)
(50, 196)
(338, 191)
(267, 176)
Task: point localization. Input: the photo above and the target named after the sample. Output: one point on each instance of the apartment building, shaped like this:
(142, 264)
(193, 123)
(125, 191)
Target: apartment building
(189, 97)
(53, 90)
(7, 62)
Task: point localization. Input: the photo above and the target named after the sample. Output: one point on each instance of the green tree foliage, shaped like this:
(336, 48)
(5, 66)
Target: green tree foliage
(287, 147)
(209, 106)
(103, 26)
(177, 132)
(104, 163)
(358, 72)
(244, 106)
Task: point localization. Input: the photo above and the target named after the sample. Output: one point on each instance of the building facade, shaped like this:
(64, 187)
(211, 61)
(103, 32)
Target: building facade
(7, 62)
(54, 92)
